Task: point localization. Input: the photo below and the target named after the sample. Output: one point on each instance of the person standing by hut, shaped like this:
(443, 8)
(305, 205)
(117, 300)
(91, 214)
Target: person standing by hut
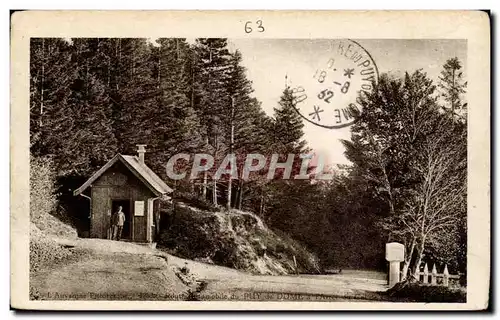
(118, 221)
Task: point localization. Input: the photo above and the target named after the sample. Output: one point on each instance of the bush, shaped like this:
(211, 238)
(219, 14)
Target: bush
(307, 262)
(46, 252)
(43, 200)
(195, 201)
(42, 188)
(417, 292)
(190, 234)
(43, 250)
(233, 239)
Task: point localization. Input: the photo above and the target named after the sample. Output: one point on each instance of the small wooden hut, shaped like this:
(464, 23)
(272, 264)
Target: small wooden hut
(128, 182)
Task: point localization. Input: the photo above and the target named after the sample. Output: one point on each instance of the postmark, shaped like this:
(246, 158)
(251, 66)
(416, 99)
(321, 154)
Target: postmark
(329, 95)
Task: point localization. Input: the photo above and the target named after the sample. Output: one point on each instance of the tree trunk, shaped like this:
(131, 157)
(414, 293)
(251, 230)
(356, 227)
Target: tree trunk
(42, 82)
(453, 102)
(215, 192)
(132, 60)
(119, 55)
(177, 55)
(205, 177)
(240, 194)
(173, 196)
(109, 75)
(192, 82)
(231, 145)
(214, 177)
(406, 264)
(420, 256)
(86, 79)
(159, 66)
(261, 209)
(391, 203)
(387, 185)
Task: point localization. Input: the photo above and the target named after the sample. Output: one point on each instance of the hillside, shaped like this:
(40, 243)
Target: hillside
(234, 239)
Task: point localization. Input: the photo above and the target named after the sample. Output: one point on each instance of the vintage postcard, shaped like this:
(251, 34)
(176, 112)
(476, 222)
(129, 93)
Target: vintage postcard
(250, 160)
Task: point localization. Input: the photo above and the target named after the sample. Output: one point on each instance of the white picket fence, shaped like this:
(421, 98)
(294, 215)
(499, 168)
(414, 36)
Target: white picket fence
(444, 277)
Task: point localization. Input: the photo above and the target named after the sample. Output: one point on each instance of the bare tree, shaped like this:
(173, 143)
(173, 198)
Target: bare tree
(413, 159)
(438, 201)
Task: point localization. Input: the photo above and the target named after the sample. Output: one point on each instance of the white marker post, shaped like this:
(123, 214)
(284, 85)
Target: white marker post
(394, 253)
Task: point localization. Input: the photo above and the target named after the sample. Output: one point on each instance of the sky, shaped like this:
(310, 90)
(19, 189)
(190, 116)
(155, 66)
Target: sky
(268, 61)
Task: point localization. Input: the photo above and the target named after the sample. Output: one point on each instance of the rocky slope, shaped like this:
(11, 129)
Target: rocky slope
(234, 239)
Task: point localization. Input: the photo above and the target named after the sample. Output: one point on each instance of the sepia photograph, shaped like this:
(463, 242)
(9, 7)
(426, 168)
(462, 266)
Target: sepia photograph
(253, 169)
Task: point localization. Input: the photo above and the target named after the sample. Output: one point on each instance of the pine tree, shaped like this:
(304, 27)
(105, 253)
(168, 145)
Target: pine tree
(453, 85)
(211, 69)
(288, 126)
(72, 122)
(92, 142)
(174, 122)
(242, 130)
(52, 74)
(137, 94)
(288, 138)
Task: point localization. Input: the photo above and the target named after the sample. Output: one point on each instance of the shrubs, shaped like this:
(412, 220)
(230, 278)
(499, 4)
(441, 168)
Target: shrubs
(43, 200)
(190, 234)
(234, 239)
(194, 201)
(42, 188)
(197, 234)
(52, 225)
(307, 262)
(417, 292)
(44, 251)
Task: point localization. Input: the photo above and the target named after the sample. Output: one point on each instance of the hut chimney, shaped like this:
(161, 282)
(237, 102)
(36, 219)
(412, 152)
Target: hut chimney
(141, 150)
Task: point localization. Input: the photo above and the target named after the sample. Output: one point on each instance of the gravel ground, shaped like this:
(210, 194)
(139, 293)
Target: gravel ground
(110, 271)
(126, 271)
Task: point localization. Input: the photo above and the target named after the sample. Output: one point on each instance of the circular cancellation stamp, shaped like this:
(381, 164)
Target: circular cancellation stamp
(329, 97)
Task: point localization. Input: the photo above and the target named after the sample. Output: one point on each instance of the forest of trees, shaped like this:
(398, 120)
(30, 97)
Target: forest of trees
(93, 98)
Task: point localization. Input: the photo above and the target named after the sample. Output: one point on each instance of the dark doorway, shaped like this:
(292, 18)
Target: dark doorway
(127, 228)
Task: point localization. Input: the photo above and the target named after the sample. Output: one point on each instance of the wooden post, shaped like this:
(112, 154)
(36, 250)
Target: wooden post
(426, 274)
(446, 276)
(434, 275)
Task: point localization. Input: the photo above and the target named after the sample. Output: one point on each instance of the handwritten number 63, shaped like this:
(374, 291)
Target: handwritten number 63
(248, 26)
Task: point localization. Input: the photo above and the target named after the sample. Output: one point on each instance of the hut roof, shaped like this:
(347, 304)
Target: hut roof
(140, 170)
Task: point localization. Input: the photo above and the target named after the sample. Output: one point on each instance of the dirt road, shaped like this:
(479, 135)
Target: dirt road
(112, 271)
(126, 271)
